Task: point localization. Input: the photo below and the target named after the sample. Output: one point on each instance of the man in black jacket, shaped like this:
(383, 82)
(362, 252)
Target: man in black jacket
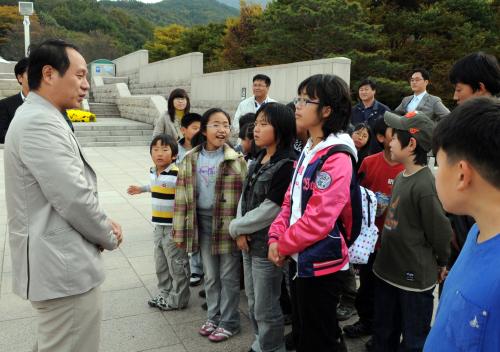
(8, 106)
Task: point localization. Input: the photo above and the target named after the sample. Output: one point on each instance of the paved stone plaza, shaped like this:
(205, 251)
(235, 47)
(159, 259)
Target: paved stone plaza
(128, 323)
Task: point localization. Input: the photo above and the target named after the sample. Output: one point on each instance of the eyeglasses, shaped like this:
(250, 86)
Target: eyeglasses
(220, 127)
(303, 101)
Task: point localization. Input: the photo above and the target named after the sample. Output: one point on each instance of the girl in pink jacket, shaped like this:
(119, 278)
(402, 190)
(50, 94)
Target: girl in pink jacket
(315, 209)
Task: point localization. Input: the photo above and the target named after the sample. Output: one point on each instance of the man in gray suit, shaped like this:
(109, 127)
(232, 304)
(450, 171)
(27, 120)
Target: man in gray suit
(57, 228)
(422, 101)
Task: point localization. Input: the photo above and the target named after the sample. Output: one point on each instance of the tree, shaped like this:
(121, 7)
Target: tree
(239, 36)
(165, 42)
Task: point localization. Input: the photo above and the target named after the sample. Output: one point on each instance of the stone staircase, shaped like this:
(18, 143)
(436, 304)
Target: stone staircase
(113, 132)
(104, 110)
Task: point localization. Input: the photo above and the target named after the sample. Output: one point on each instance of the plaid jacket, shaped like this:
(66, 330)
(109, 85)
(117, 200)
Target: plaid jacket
(228, 186)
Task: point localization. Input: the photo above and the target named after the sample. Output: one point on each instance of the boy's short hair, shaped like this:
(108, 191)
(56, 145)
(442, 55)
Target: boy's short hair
(471, 132)
(245, 119)
(246, 131)
(477, 68)
(189, 118)
(379, 127)
(419, 154)
(261, 77)
(165, 139)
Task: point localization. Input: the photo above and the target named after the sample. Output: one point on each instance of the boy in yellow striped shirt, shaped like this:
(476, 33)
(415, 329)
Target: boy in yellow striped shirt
(172, 262)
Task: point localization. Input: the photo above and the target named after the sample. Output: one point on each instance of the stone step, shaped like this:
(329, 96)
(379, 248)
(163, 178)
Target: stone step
(83, 133)
(103, 110)
(115, 144)
(7, 75)
(8, 92)
(9, 84)
(82, 126)
(88, 139)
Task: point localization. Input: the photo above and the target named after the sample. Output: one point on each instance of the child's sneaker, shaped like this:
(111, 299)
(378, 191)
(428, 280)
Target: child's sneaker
(153, 302)
(163, 305)
(221, 334)
(208, 328)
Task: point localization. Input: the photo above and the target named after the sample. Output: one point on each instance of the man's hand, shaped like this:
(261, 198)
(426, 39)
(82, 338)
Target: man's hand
(242, 243)
(117, 231)
(134, 190)
(442, 273)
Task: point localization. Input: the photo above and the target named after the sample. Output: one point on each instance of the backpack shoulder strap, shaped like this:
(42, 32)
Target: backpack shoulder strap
(339, 148)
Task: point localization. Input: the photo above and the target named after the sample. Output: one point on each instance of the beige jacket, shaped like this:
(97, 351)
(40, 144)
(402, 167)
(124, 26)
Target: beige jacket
(55, 222)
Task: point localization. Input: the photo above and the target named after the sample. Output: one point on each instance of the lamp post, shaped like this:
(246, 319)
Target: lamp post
(26, 10)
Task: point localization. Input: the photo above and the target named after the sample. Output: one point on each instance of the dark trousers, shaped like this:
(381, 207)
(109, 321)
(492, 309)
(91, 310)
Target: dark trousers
(399, 312)
(365, 298)
(314, 309)
(285, 302)
(348, 295)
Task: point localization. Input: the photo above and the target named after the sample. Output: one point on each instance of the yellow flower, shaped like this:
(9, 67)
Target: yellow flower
(76, 115)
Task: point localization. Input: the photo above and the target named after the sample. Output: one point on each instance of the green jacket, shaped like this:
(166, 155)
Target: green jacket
(228, 187)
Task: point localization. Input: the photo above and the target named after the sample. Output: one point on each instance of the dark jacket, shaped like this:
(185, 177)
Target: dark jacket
(255, 199)
(369, 115)
(8, 107)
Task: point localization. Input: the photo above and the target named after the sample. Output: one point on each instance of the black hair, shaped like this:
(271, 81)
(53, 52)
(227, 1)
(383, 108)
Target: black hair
(425, 74)
(52, 52)
(477, 68)
(165, 139)
(365, 150)
(368, 82)
(261, 77)
(246, 131)
(419, 154)
(200, 138)
(380, 127)
(331, 91)
(471, 132)
(177, 93)
(189, 118)
(245, 119)
(21, 67)
(291, 105)
(283, 121)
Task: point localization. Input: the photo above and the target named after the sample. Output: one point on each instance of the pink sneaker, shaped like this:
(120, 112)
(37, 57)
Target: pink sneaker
(207, 328)
(221, 334)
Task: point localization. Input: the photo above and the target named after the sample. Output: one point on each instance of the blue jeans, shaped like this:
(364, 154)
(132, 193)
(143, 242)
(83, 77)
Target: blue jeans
(399, 312)
(196, 264)
(222, 280)
(263, 289)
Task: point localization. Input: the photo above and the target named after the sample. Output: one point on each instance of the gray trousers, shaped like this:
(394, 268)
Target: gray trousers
(222, 280)
(263, 289)
(70, 323)
(172, 268)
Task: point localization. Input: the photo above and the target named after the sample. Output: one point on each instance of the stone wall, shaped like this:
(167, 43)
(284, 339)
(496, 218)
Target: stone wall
(131, 62)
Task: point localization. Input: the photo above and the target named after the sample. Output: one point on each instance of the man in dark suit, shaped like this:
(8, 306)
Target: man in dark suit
(422, 101)
(8, 106)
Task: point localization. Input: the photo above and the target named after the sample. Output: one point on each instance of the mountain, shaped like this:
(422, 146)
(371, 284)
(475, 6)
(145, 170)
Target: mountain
(182, 12)
(236, 3)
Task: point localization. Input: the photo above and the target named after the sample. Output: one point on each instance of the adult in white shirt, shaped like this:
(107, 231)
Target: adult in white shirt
(422, 101)
(260, 89)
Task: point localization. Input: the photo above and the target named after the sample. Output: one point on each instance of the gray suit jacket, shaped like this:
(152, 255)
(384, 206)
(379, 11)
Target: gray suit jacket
(55, 222)
(430, 105)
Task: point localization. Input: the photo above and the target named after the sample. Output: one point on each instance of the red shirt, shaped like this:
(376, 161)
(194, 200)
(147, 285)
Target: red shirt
(379, 177)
